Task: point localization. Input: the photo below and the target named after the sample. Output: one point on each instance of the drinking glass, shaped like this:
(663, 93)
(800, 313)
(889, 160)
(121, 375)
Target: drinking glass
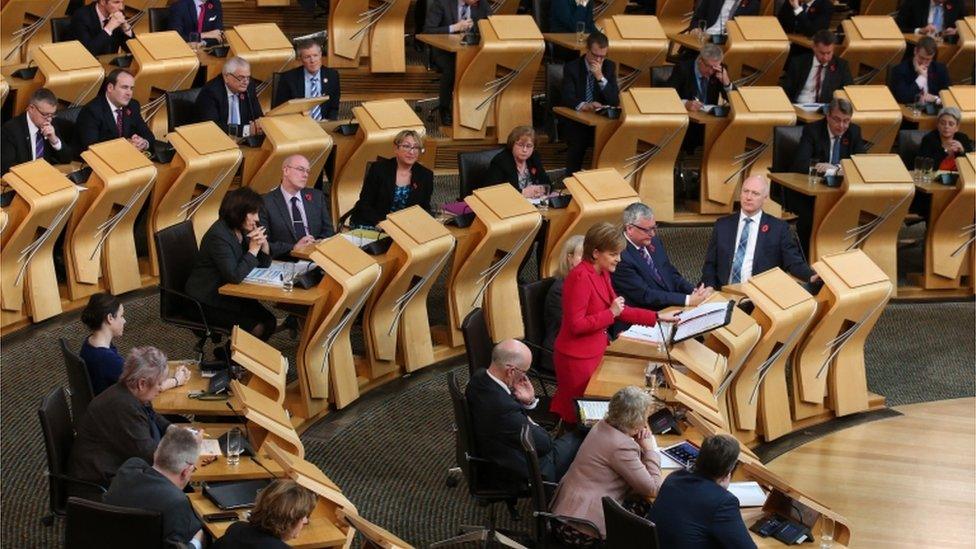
(580, 32)
(651, 375)
(918, 174)
(826, 532)
(235, 445)
(544, 199)
(233, 130)
(194, 41)
(813, 176)
(288, 276)
(702, 36)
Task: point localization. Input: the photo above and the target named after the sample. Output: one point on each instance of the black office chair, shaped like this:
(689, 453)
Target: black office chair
(59, 437)
(554, 97)
(473, 169)
(78, 380)
(786, 141)
(158, 19)
(93, 524)
(176, 251)
(487, 484)
(909, 141)
(626, 530)
(61, 29)
(532, 301)
(542, 492)
(68, 119)
(275, 82)
(181, 107)
(660, 76)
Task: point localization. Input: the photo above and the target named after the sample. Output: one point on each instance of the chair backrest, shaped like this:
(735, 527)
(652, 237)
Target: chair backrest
(786, 140)
(537, 488)
(176, 252)
(660, 76)
(78, 379)
(473, 168)
(477, 340)
(59, 436)
(464, 443)
(69, 119)
(275, 82)
(158, 19)
(181, 107)
(554, 96)
(61, 29)
(626, 530)
(94, 524)
(532, 301)
(909, 142)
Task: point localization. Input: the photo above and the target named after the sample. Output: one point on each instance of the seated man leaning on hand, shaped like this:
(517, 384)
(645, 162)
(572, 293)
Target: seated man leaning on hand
(589, 83)
(294, 215)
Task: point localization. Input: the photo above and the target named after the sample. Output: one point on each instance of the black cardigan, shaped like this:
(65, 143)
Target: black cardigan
(502, 170)
(376, 197)
(931, 146)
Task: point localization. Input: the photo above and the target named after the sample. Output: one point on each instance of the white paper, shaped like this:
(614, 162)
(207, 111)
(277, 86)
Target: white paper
(701, 319)
(647, 333)
(809, 107)
(274, 275)
(210, 447)
(750, 494)
(667, 462)
(593, 410)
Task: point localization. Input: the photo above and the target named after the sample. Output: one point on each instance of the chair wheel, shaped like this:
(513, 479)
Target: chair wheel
(47, 520)
(453, 477)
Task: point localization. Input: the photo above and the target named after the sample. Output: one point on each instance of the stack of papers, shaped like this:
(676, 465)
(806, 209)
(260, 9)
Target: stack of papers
(362, 237)
(593, 410)
(647, 333)
(750, 494)
(275, 274)
(809, 107)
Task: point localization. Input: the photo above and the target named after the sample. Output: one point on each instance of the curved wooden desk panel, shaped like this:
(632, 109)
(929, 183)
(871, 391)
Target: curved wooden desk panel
(4, 89)
(949, 244)
(356, 29)
(41, 206)
(348, 26)
(853, 297)
(638, 42)
(387, 49)
(877, 113)
(263, 45)
(68, 70)
(396, 321)
(267, 421)
(872, 45)
(875, 196)
(675, 15)
(734, 342)
(743, 147)
(286, 135)
(32, 15)
(268, 368)
(379, 122)
(756, 51)
(879, 7)
(960, 65)
(101, 233)
(598, 195)
(160, 61)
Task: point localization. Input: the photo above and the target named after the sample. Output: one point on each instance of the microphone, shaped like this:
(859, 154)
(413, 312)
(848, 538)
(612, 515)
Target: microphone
(664, 342)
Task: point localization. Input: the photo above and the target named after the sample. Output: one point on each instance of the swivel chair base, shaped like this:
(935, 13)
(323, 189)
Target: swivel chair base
(485, 536)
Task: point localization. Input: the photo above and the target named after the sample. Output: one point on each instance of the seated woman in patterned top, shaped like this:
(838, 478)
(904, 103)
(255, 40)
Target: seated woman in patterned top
(392, 184)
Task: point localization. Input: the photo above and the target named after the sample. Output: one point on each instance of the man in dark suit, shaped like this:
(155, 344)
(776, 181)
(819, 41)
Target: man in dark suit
(694, 509)
(589, 84)
(230, 99)
(114, 115)
(813, 77)
(498, 399)
(310, 80)
(645, 276)
(805, 16)
(920, 78)
(294, 215)
(699, 82)
(101, 27)
(930, 16)
(751, 242)
(159, 487)
(716, 13)
(451, 17)
(34, 134)
(203, 17)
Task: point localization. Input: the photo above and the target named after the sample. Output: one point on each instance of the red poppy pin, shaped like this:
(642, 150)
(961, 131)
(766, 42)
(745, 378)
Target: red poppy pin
(845, 142)
(811, 10)
(764, 228)
(743, 3)
(413, 185)
(832, 67)
(948, 7)
(532, 171)
(128, 112)
(308, 197)
(209, 6)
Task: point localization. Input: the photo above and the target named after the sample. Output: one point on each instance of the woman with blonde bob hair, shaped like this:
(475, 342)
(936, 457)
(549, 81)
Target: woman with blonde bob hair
(280, 512)
(394, 184)
(572, 254)
(590, 307)
(618, 458)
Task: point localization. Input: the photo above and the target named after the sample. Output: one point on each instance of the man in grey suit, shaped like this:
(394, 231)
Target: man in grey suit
(293, 214)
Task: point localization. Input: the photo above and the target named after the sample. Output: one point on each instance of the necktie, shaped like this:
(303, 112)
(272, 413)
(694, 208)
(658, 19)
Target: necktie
(201, 17)
(937, 17)
(465, 12)
(650, 263)
(703, 89)
(296, 219)
(835, 151)
(590, 83)
(118, 120)
(105, 21)
(817, 78)
(235, 109)
(39, 146)
(313, 91)
(740, 253)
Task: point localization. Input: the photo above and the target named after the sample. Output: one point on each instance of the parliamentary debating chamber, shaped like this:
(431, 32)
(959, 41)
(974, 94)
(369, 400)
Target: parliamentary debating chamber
(493, 273)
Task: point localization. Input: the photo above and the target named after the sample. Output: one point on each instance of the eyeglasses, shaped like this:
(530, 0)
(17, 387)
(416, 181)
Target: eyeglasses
(240, 78)
(302, 169)
(646, 230)
(411, 148)
(525, 145)
(44, 115)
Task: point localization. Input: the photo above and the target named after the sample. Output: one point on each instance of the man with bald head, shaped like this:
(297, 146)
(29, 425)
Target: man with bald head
(499, 399)
(294, 214)
(750, 242)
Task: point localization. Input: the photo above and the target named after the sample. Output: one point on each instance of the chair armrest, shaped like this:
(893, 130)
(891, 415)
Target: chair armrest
(203, 317)
(80, 482)
(569, 521)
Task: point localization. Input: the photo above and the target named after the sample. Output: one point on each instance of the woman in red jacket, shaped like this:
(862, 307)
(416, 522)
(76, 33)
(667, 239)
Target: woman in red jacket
(590, 307)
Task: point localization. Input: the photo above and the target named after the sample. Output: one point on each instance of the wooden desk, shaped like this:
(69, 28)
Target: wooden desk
(602, 126)
(924, 121)
(177, 400)
(566, 40)
(298, 296)
(824, 198)
(945, 50)
(688, 40)
(807, 117)
(245, 469)
(319, 532)
(803, 41)
(615, 373)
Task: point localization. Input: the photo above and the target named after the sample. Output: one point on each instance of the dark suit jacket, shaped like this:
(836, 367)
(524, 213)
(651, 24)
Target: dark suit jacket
(16, 146)
(88, 30)
(183, 17)
(502, 170)
(901, 80)
(795, 76)
(815, 144)
(212, 103)
(291, 85)
(553, 315)
(441, 14)
(115, 427)
(564, 14)
(775, 247)
(931, 146)
(815, 17)
(139, 486)
(709, 10)
(693, 512)
(96, 124)
(914, 14)
(635, 281)
(244, 535)
(574, 83)
(376, 197)
(497, 419)
(221, 260)
(276, 216)
(683, 80)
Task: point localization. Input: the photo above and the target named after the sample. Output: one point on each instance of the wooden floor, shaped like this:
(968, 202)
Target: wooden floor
(908, 481)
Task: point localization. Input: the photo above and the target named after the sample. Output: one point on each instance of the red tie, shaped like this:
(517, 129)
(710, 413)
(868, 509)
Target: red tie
(118, 120)
(816, 92)
(203, 13)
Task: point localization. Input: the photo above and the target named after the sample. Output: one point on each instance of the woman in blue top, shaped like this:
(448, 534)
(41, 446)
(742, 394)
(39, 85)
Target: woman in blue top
(104, 316)
(565, 14)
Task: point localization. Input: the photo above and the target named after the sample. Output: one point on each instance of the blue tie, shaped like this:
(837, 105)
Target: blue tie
(835, 152)
(740, 253)
(313, 91)
(235, 109)
(650, 263)
(937, 17)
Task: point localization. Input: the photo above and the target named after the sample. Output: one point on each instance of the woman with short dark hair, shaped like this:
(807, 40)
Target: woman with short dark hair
(233, 246)
(280, 512)
(519, 164)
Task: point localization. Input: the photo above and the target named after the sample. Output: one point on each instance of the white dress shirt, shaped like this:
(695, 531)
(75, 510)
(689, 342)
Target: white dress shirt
(750, 244)
(509, 391)
(32, 133)
(301, 207)
(809, 92)
(723, 18)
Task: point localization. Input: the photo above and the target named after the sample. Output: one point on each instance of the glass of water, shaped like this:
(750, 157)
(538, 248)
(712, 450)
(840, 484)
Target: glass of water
(702, 36)
(826, 532)
(288, 276)
(194, 41)
(813, 175)
(544, 199)
(235, 445)
(580, 32)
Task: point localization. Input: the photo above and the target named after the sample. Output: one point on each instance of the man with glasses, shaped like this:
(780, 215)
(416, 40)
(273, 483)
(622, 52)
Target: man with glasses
(919, 78)
(589, 85)
(230, 100)
(159, 487)
(312, 79)
(645, 276)
(294, 214)
(34, 134)
(499, 399)
(114, 115)
(699, 82)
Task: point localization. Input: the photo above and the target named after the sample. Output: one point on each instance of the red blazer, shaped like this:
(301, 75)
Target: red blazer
(586, 313)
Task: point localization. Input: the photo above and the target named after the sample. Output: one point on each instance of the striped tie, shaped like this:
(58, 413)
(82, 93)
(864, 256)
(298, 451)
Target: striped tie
(296, 218)
(313, 91)
(590, 83)
(740, 253)
(39, 146)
